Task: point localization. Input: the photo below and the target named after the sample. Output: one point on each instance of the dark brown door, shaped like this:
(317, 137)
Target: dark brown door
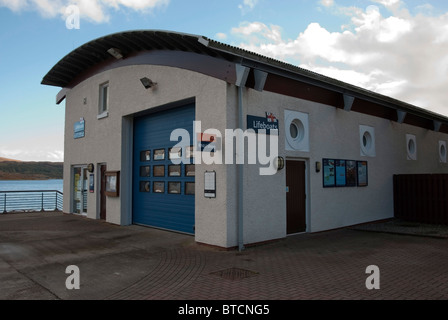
(103, 169)
(295, 197)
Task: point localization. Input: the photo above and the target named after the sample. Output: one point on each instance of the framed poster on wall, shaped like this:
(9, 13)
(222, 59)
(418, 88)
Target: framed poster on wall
(92, 183)
(362, 174)
(328, 173)
(340, 173)
(350, 173)
(112, 183)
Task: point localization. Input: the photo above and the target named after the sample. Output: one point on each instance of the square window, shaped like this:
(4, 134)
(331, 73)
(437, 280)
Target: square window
(145, 156)
(159, 154)
(144, 186)
(145, 171)
(159, 171)
(189, 152)
(189, 188)
(175, 153)
(189, 170)
(158, 187)
(174, 170)
(174, 187)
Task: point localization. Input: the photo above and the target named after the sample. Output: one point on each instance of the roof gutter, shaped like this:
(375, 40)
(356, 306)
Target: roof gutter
(268, 65)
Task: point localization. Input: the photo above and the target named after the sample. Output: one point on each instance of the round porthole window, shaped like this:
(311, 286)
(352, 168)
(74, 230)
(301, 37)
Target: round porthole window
(367, 140)
(411, 146)
(296, 130)
(293, 130)
(442, 152)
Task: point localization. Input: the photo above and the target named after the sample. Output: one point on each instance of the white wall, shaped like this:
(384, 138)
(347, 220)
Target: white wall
(105, 141)
(334, 133)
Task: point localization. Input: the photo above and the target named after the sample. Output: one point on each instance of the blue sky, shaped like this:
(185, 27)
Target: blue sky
(397, 48)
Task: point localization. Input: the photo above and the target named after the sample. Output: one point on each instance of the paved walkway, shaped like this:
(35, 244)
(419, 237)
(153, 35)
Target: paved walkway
(134, 262)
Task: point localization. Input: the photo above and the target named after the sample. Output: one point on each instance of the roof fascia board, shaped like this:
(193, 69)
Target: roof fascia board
(347, 89)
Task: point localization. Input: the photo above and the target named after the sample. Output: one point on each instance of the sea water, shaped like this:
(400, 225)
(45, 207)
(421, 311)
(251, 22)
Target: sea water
(29, 185)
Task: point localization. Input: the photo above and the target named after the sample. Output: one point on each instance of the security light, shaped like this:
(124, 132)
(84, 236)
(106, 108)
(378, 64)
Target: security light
(147, 83)
(116, 53)
(279, 163)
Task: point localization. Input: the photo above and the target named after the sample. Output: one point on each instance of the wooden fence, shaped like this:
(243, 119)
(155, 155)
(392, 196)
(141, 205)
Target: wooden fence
(421, 198)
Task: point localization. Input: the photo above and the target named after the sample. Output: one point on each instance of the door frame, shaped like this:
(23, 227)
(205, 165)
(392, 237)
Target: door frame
(83, 168)
(307, 193)
(99, 188)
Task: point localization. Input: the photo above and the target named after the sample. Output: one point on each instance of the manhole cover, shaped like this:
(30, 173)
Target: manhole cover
(235, 273)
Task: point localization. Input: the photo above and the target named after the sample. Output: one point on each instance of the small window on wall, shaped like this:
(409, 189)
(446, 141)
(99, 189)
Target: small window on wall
(175, 153)
(189, 170)
(145, 156)
(159, 171)
(145, 171)
(174, 170)
(158, 187)
(296, 131)
(174, 187)
(189, 188)
(103, 99)
(144, 186)
(442, 151)
(411, 147)
(367, 141)
(159, 154)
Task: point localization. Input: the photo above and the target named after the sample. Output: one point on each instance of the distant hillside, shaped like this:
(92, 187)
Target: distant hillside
(6, 159)
(17, 170)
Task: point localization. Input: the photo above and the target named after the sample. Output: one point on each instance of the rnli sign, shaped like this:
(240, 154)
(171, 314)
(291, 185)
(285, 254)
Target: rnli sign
(256, 123)
(207, 142)
(79, 129)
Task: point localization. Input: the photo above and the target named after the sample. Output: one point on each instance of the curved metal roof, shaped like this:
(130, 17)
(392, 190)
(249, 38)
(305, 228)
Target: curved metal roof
(95, 52)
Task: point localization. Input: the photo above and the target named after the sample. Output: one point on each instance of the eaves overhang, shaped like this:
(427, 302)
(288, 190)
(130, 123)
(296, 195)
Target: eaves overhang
(263, 73)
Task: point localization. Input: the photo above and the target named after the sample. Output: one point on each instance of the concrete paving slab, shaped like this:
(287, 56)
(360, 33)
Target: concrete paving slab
(139, 263)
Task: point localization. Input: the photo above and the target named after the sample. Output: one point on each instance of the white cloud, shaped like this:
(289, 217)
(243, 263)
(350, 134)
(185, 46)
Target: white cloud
(327, 3)
(221, 36)
(247, 5)
(402, 56)
(93, 10)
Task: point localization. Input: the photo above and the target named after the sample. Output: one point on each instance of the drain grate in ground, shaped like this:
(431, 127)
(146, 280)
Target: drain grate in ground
(235, 273)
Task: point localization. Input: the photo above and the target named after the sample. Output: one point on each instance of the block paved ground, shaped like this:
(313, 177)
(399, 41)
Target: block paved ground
(138, 263)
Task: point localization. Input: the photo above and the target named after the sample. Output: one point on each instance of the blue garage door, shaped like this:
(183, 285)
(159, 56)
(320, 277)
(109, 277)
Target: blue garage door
(163, 192)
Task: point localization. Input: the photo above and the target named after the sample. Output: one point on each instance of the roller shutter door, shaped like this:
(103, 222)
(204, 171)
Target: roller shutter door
(163, 192)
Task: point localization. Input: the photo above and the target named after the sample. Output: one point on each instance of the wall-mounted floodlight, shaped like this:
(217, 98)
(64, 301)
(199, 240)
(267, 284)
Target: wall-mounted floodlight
(147, 83)
(279, 163)
(318, 166)
(116, 53)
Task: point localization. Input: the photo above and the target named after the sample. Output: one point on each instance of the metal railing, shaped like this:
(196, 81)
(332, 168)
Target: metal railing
(29, 201)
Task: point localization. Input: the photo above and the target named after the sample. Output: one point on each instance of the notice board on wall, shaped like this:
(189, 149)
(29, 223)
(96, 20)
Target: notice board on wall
(344, 173)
